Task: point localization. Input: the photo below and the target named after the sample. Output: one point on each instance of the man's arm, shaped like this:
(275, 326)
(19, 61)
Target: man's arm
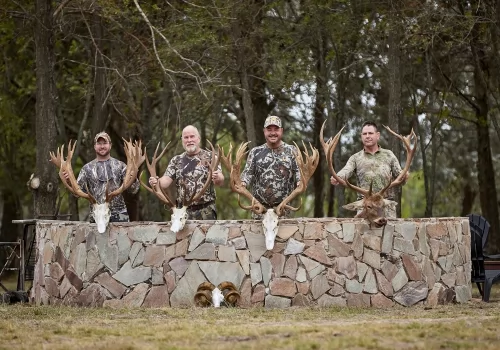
(248, 172)
(396, 169)
(218, 176)
(295, 168)
(81, 180)
(134, 188)
(346, 172)
(168, 177)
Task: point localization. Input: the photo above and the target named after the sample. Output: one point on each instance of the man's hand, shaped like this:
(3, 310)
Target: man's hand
(217, 178)
(407, 176)
(153, 180)
(66, 176)
(333, 181)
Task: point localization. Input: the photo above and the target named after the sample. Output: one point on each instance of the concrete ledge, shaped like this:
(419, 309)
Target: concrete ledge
(323, 262)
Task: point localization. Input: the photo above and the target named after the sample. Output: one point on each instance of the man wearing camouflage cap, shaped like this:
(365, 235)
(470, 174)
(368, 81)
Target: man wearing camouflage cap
(372, 164)
(106, 171)
(271, 169)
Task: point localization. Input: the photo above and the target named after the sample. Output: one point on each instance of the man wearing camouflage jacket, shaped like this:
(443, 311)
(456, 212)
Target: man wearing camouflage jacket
(271, 169)
(372, 164)
(190, 170)
(106, 171)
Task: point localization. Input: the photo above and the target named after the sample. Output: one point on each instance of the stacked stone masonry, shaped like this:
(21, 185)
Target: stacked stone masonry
(315, 262)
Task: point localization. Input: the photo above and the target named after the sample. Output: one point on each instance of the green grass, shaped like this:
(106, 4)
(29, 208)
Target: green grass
(465, 326)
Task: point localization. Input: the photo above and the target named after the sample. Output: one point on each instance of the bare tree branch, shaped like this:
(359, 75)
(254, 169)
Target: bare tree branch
(190, 63)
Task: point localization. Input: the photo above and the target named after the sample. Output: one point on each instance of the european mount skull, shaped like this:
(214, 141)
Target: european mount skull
(100, 210)
(179, 214)
(270, 219)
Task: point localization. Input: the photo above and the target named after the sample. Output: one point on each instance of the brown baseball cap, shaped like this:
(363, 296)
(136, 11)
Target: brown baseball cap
(102, 135)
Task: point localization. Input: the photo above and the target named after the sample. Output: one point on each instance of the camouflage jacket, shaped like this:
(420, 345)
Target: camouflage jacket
(96, 174)
(272, 173)
(191, 172)
(380, 167)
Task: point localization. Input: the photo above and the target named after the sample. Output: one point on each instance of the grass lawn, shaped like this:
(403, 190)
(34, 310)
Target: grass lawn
(464, 326)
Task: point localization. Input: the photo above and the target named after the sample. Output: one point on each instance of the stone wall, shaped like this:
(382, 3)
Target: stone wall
(324, 262)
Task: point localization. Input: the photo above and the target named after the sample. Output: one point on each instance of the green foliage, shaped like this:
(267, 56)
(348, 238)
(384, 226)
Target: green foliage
(413, 197)
(287, 49)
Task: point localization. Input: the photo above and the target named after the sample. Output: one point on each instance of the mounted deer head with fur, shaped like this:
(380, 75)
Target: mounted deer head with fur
(100, 211)
(372, 206)
(179, 214)
(270, 219)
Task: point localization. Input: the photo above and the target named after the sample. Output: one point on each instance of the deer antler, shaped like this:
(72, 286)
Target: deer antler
(214, 163)
(409, 157)
(235, 176)
(329, 148)
(135, 158)
(157, 190)
(306, 169)
(65, 167)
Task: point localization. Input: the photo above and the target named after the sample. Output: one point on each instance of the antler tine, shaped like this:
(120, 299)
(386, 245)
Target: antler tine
(159, 193)
(241, 152)
(65, 167)
(306, 169)
(152, 166)
(410, 153)
(135, 157)
(156, 190)
(329, 148)
(329, 156)
(227, 161)
(215, 157)
(235, 177)
(326, 145)
(214, 163)
(56, 159)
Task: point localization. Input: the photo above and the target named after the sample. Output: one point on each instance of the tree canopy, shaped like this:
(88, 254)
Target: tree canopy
(144, 70)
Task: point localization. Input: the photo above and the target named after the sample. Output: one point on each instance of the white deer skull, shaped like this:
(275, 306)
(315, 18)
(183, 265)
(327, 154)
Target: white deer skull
(100, 211)
(101, 215)
(178, 219)
(270, 219)
(270, 226)
(179, 215)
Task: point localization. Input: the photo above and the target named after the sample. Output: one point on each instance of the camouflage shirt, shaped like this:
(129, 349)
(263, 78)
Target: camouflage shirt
(191, 172)
(378, 167)
(96, 174)
(272, 173)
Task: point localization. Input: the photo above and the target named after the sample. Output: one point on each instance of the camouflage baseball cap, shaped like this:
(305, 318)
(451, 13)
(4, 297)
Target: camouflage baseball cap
(102, 135)
(272, 120)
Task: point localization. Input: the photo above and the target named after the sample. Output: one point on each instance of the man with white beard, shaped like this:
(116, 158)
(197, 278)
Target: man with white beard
(190, 170)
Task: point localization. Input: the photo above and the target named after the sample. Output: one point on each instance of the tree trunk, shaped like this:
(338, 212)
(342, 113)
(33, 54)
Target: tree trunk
(485, 170)
(45, 195)
(468, 199)
(100, 111)
(486, 179)
(395, 109)
(319, 118)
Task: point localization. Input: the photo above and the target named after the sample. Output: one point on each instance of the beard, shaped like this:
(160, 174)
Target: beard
(191, 149)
